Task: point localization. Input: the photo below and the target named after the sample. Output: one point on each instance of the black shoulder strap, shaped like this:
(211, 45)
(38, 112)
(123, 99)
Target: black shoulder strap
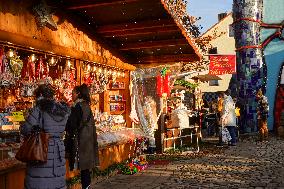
(41, 120)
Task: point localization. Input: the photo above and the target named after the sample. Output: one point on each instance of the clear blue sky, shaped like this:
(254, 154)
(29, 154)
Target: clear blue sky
(208, 10)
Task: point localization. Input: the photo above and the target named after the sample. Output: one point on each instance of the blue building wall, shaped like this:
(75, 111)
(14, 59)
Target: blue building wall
(274, 52)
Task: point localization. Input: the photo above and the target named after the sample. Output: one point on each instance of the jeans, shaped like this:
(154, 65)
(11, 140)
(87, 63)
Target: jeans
(232, 131)
(85, 178)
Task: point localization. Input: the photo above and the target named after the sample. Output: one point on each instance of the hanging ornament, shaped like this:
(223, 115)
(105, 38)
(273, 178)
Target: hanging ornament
(44, 16)
(40, 70)
(159, 86)
(2, 55)
(52, 61)
(16, 65)
(6, 77)
(167, 85)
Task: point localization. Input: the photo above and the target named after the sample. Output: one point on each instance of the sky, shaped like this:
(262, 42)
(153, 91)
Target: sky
(208, 10)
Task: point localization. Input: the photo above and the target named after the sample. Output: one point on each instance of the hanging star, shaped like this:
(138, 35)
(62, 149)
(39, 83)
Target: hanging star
(44, 16)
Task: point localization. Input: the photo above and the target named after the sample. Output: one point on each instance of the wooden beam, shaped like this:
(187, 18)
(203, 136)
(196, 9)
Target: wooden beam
(99, 3)
(142, 31)
(154, 24)
(153, 44)
(47, 46)
(168, 58)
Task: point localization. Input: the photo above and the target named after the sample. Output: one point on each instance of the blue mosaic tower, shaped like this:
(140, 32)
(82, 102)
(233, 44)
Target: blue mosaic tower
(247, 16)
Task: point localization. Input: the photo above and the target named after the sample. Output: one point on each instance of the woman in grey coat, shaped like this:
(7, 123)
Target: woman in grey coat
(81, 137)
(53, 117)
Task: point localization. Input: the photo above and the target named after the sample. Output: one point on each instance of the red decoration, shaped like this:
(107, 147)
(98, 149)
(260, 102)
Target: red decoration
(222, 64)
(41, 70)
(1, 60)
(167, 84)
(28, 70)
(159, 88)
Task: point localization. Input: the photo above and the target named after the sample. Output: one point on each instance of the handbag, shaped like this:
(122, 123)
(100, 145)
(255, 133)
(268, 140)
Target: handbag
(226, 137)
(35, 146)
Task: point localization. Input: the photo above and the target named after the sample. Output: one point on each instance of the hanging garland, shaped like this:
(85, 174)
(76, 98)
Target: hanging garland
(186, 84)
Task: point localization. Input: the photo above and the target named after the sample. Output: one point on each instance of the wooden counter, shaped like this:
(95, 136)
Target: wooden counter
(109, 156)
(12, 177)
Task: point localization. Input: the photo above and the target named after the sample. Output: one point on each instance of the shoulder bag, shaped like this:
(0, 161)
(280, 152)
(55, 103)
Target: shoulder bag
(35, 146)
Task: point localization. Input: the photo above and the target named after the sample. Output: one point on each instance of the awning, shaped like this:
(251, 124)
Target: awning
(207, 77)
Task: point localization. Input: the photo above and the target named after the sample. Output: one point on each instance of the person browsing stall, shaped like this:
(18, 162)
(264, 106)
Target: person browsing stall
(52, 117)
(228, 118)
(81, 137)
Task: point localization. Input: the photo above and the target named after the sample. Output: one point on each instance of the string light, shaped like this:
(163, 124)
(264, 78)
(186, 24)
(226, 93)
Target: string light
(94, 68)
(105, 71)
(11, 53)
(118, 74)
(69, 64)
(33, 57)
(100, 70)
(52, 61)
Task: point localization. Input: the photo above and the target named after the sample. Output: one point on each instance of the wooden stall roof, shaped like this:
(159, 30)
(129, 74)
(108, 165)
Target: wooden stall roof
(138, 31)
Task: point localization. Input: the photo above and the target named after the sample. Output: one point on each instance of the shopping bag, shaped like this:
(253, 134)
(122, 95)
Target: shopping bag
(226, 137)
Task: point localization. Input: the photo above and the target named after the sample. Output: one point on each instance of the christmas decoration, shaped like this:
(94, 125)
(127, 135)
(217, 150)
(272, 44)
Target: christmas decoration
(44, 16)
(186, 84)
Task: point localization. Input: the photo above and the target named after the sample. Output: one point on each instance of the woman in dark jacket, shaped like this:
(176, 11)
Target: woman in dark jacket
(52, 116)
(81, 137)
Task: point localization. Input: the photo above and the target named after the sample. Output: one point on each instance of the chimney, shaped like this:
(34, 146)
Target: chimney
(221, 16)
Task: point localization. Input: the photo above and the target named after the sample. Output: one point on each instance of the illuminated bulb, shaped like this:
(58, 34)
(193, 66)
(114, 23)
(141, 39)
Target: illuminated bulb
(123, 74)
(100, 70)
(52, 60)
(33, 58)
(118, 74)
(94, 68)
(11, 53)
(114, 73)
(69, 63)
(88, 67)
(105, 71)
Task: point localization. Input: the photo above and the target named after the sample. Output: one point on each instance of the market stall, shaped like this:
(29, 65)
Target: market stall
(29, 58)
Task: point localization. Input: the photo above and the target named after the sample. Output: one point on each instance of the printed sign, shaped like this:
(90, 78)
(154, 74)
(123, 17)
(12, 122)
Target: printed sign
(18, 116)
(222, 64)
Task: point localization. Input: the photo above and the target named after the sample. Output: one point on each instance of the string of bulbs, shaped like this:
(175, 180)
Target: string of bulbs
(89, 66)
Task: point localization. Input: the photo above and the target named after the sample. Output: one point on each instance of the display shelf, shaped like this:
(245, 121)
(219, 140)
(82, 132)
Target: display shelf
(117, 97)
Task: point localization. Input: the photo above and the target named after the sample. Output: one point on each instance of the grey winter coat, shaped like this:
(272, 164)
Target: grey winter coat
(50, 175)
(81, 137)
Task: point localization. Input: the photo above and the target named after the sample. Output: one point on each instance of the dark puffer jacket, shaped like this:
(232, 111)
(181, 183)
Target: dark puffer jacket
(81, 138)
(51, 174)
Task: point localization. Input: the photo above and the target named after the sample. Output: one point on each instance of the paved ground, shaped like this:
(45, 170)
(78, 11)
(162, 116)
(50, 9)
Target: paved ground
(249, 165)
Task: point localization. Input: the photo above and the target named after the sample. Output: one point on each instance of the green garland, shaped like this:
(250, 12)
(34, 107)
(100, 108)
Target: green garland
(122, 167)
(186, 84)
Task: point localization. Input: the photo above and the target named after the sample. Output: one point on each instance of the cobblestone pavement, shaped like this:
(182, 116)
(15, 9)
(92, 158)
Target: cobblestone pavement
(249, 165)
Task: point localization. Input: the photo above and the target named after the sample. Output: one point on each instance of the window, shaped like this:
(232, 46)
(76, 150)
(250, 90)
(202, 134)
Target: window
(214, 83)
(231, 31)
(213, 50)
